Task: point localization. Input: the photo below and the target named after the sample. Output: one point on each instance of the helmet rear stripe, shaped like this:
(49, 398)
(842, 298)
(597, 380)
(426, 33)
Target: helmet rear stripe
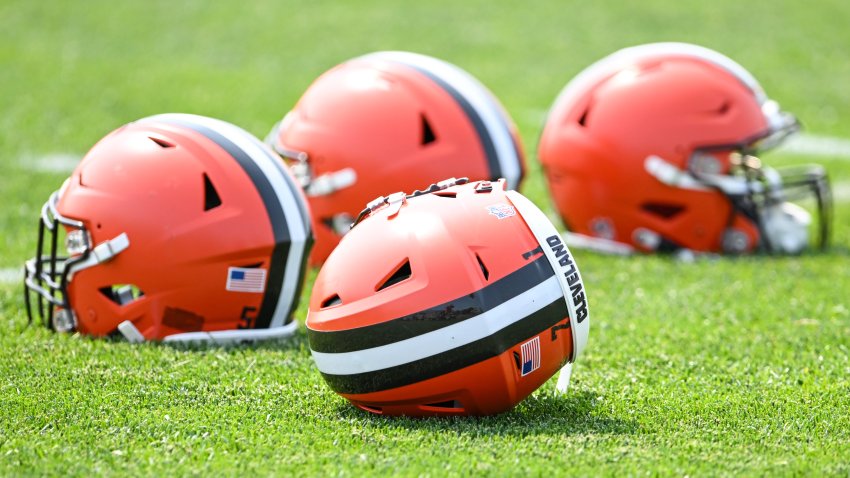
(443, 339)
(453, 312)
(537, 321)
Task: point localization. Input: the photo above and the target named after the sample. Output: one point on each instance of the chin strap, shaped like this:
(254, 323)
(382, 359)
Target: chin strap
(671, 175)
(331, 182)
(217, 337)
(101, 253)
(564, 379)
(597, 244)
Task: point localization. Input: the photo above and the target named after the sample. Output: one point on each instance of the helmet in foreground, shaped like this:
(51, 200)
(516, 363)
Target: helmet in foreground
(391, 120)
(457, 300)
(653, 147)
(178, 228)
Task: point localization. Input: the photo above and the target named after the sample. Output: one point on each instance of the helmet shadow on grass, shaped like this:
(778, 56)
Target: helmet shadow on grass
(575, 413)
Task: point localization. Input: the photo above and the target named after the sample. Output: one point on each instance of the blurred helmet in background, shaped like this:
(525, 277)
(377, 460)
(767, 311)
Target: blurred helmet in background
(457, 300)
(176, 227)
(654, 147)
(391, 121)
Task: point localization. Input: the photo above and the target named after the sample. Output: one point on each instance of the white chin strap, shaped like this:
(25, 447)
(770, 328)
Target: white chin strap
(671, 175)
(103, 252)
(786, 226)
(216, 337)
(331, 182)
(564, 378)
(597, 244)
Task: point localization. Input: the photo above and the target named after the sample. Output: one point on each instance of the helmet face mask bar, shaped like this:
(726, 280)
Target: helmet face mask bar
(767, 195)
(47, 274)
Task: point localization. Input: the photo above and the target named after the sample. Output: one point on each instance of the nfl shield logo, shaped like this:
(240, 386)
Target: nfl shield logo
(501, 210)
(530, 356)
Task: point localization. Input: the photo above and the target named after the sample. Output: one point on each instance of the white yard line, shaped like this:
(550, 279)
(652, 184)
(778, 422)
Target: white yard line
(817, 146)
(51, 163)
(803, 143)
(11, 275)
(841, 191)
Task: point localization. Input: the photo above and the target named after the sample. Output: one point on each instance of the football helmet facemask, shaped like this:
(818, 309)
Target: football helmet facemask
(391, 119)
(457, 300)
(653, 148)
(178, 228)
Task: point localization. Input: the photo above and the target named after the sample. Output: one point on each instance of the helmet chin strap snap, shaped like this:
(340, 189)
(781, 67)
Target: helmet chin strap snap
(64, 320)
(786, 227)
(331, 182)
(103, 252)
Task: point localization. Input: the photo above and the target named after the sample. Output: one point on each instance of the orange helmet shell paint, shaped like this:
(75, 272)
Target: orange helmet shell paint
(391, 120)
(178, 227)
(459, 300)
(652, 146)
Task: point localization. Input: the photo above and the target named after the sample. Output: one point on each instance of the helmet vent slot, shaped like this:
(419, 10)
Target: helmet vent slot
(161, 142)
(446, 194)
(121, 294)
(448, 405)
(484, 271)
(401, 274)
(331, 301)
(211, 197)
(372, 409)
(583, 118)
(428, 135)
(663, 210)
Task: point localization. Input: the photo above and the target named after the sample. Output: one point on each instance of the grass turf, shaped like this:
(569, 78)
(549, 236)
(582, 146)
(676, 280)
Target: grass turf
(730, 366)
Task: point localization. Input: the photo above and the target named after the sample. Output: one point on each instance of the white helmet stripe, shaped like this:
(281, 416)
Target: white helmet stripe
(479, 98)
(441, 340)
(566, 271)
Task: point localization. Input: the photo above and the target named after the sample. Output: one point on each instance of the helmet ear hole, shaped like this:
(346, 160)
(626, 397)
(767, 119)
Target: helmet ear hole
(400, 274)
(122, 294)
(664, 211)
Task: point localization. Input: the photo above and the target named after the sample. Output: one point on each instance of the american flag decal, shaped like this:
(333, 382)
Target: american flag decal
(243, 279)
(530, 356)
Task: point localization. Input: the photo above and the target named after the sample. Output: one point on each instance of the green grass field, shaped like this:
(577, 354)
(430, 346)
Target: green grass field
(718, 367)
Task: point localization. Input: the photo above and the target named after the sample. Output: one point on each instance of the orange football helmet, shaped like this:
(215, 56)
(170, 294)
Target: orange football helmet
(457, 300)
(177, 228)
(653, 148)
(391, 120)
